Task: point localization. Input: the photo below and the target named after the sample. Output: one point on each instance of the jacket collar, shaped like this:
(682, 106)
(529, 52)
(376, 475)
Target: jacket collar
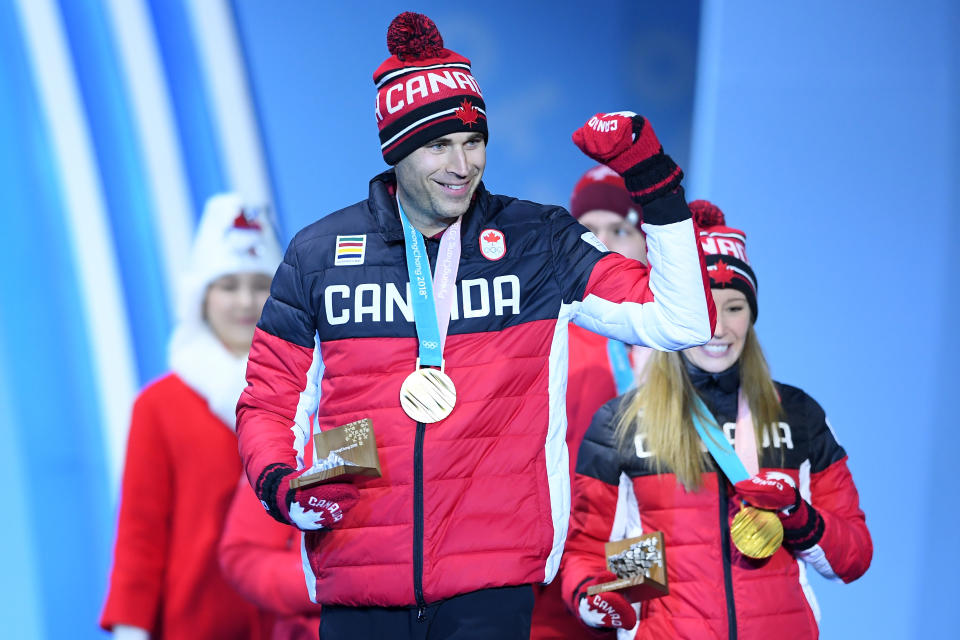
(382, 203)
(727, 381)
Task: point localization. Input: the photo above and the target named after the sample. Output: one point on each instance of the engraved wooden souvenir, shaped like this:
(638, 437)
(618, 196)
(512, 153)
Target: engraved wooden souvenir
(354, 442)
(644, 583)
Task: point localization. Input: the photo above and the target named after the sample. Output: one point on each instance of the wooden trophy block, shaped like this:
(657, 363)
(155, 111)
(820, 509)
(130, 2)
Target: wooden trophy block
(354, 442)
(641, 586)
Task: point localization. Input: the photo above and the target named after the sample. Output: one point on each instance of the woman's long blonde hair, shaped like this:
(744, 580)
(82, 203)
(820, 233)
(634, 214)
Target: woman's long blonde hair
(661, 410)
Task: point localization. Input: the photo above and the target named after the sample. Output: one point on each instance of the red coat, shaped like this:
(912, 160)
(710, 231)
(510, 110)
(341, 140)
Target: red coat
(479, 499)
(262, 559)
(714, 591)
(590, 385)
(181, 471)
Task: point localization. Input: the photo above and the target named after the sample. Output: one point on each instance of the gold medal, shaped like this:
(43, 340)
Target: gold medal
(757, 533)
(428, 395)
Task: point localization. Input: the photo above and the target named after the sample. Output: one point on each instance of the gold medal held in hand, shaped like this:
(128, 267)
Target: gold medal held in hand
(428, 395)
(757, 533)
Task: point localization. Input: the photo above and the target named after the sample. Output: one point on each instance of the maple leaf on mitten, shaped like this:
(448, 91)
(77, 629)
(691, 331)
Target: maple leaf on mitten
(320, 506)
(607, 610)
(604, 610)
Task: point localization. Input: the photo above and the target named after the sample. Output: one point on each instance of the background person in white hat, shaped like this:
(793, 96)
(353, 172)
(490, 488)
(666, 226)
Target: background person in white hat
(182, 464)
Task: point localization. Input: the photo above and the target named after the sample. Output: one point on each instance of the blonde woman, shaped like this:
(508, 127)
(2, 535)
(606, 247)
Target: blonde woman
(643, 466)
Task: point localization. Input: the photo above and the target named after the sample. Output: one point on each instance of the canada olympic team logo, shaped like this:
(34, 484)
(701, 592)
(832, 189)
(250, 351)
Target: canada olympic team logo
(492, 244)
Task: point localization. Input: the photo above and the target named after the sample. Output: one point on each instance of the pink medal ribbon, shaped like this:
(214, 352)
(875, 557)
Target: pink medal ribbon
(744, 438)
(445, 277)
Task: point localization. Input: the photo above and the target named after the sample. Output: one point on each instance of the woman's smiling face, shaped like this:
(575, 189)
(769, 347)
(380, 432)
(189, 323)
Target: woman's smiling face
(733, 322)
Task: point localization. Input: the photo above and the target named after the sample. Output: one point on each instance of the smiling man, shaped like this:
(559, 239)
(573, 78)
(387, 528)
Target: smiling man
(440, 311)
(436, 182)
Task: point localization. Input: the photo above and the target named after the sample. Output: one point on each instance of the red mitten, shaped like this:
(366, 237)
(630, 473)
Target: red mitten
(626, 143)
(802, 524)
(605, 610)
(769, 490)
(321, 506)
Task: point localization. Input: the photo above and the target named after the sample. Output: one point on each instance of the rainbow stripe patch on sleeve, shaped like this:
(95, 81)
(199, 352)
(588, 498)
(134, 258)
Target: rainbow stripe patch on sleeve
(350, 250)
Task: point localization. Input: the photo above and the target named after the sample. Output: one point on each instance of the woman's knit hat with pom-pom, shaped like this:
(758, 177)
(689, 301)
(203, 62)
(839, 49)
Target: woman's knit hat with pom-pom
(724, 252)
(424, 91)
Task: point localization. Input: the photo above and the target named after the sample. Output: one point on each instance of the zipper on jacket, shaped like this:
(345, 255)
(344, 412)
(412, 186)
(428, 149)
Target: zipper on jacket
(418, 521)
(725, 551)
(433, 251)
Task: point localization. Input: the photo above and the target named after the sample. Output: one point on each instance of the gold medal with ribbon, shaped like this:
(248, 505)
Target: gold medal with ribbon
(757, 533)
(428, 395)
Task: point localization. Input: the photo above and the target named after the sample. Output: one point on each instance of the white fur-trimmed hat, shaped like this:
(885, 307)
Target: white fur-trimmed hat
(232, 237)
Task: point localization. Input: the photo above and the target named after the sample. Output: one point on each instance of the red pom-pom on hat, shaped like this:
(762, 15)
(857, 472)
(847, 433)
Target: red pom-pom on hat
(414, 36)
(706, 214)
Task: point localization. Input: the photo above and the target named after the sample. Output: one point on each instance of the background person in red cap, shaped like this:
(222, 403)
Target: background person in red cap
(431, 284)
(182, 465)
(779, 434)
(601, 368)
(601, 202)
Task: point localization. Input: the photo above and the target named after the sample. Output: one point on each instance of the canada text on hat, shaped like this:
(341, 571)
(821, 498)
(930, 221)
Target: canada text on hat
(724, 252)
(424, 91)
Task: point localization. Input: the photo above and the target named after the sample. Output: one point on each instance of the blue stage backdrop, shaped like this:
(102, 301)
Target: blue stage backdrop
(829, 133)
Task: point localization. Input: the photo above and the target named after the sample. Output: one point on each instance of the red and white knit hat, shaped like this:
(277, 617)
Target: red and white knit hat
(724, 252)
(602, 188)
(423, 90)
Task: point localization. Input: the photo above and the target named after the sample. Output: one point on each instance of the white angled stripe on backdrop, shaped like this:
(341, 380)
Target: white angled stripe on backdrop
(222, 61)
(86, 215)
(156, 128)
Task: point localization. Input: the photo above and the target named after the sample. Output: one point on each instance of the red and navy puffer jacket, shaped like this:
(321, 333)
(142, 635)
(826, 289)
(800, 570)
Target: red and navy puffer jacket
(481, 498)
(714, 591)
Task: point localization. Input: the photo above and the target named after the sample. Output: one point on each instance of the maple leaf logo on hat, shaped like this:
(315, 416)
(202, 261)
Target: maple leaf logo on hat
(722, 274)
(467, 113)
(243, 222)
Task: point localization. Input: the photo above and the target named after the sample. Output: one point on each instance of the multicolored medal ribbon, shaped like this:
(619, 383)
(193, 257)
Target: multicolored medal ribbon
(757, 533)
(428, 394)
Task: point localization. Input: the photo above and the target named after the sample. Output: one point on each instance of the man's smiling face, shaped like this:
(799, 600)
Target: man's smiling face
(436, 182)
